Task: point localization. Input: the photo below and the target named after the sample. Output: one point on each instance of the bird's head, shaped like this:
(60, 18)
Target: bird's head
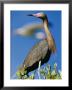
(40, 15)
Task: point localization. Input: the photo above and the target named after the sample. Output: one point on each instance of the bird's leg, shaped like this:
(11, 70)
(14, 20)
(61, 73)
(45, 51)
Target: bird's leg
(39, 69)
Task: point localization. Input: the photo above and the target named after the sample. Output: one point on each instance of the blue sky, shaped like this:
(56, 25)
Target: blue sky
(20, 46)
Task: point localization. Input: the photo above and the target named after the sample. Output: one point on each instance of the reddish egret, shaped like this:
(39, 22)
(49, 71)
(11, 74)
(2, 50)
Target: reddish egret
(42, 51)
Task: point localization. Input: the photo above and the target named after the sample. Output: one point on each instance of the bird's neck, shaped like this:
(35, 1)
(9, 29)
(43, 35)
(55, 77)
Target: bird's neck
(50, 39)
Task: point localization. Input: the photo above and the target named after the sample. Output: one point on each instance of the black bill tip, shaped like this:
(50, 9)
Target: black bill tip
(29, 15)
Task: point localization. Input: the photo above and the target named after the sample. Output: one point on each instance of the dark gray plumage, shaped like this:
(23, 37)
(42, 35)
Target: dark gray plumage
(40, 52)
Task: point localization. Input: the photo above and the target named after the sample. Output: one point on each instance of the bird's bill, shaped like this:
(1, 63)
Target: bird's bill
(30, 15)
(35, 15)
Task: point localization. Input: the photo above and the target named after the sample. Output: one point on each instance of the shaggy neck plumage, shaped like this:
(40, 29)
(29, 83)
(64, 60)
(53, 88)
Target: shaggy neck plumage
(50, 39)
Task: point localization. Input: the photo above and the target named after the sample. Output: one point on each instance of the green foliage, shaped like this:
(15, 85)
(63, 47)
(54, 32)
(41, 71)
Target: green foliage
(45, 72)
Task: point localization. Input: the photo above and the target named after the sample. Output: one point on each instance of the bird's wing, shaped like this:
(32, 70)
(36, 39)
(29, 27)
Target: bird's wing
(28, 29)
(37, 53)
(40, 35)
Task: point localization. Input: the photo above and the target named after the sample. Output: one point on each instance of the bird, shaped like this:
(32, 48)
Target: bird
(40, 53)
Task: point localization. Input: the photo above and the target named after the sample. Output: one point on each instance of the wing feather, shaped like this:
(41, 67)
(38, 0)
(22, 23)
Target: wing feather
(29, 29)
